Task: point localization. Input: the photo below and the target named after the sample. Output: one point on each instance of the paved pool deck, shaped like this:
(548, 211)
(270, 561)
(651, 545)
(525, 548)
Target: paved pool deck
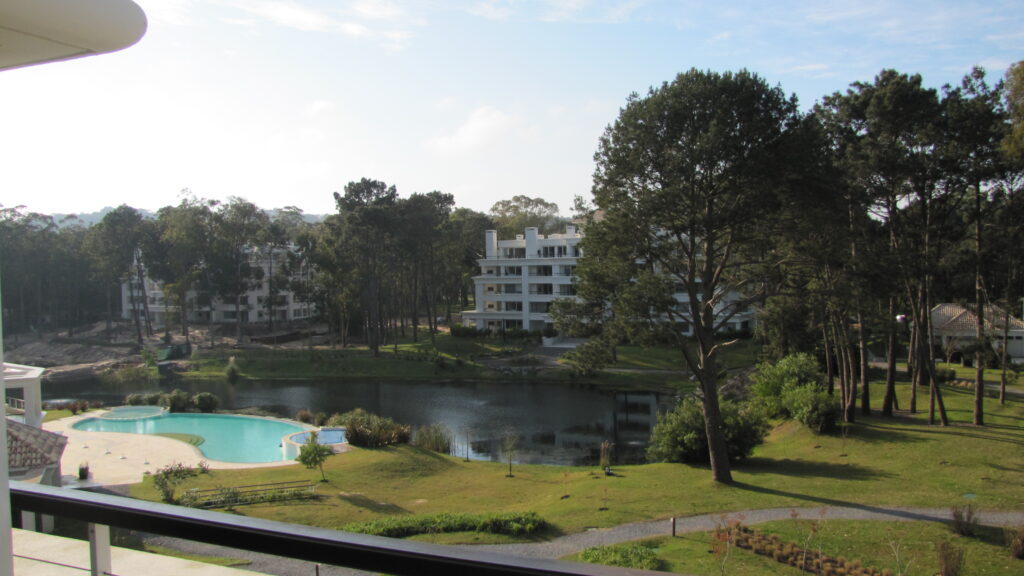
(118, 458)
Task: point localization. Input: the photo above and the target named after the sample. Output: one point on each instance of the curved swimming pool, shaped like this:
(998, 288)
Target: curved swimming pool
(227, 438)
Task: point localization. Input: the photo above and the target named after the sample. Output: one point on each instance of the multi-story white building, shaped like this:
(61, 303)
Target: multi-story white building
(200, 305)
(520, 278)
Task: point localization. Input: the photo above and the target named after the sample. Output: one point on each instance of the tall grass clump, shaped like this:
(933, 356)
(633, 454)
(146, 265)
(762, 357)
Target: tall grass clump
(951, 559)
(636, 555)
(368, 430)
(1015, 541)
(965, 520)
(512, 524)
(435, 437)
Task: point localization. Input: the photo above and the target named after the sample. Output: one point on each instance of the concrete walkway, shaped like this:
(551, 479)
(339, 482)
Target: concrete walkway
(573, 543)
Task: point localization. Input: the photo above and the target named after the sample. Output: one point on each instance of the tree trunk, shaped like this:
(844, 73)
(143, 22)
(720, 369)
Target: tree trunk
(979, 353)
(889, 401)
(865, 398)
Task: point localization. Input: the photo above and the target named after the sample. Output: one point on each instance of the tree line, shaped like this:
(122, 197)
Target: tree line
(843, 225)
(378, 267)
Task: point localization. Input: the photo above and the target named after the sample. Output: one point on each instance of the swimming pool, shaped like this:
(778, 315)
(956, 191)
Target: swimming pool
(226, 437)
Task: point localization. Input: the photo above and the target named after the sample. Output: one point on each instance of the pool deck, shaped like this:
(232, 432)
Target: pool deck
(118, 458)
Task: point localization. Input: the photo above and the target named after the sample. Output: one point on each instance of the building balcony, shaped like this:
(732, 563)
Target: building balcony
(319, 545)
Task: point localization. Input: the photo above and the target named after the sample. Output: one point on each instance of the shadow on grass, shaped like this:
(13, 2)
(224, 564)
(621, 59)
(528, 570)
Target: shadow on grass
(971, 431)
(361, 501)
(874, 431)
(837, 503)
(810, 468)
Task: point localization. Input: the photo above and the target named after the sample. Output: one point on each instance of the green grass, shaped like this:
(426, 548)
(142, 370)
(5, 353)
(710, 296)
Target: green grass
(741, 354)
(871, 542)
(892, 462)
(215, 560)
(56, 415)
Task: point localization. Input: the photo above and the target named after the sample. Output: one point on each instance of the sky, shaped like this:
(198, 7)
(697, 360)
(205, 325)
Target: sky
(283, 102)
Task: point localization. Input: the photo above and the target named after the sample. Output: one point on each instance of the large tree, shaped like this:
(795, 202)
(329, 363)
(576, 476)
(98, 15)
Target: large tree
(682, 175)
(513, 216)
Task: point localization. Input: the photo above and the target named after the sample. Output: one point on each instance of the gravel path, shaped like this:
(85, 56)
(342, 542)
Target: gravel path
(572, 543)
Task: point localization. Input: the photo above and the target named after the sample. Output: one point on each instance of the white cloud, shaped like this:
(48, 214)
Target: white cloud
(484, 127)
(317, 107)
(721, 37)
(377, 10)
(176, 12)
(494, 9)
(559, 10)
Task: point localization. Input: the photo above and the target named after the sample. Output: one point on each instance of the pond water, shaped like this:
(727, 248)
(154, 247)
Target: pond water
(556, 424)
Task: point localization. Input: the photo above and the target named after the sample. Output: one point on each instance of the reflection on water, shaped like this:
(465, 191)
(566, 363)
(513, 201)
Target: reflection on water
(556, 424)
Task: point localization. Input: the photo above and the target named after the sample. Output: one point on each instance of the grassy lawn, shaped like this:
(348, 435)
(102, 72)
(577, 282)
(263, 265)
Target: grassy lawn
(742, 353)
(871, 542)
(897, 462)
(215, 560)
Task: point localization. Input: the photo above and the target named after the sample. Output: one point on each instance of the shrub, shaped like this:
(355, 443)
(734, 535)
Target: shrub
(176, 401)
(1015, 541)
(435, 437)
(636, 555)
(951, 559)
(135, 400)
(305, 416)
(206, 402)
(965, 520)
(679, 435)
(512, 524)
(771, 380)
(167, 479)
(152, 399)
(813, 407)
(460, 331)
(369, 430)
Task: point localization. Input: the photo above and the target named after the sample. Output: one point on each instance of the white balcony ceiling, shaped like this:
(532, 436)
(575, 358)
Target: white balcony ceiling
(38, 31)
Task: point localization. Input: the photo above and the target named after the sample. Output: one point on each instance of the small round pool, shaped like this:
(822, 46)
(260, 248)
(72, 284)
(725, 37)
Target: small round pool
(333, 437)
(133, 412)
(226, 437)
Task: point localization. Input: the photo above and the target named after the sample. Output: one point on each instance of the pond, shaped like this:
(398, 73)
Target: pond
(556, 424)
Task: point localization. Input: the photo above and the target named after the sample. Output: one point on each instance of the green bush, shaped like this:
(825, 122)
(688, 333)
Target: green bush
(135, 400)
(176, 401)
(813, 407)
(679, 435)
(206, 402)
(305, 416)
(460, 331)
(435, 437)
(368, 430)
(169, 477)
(513, 524)
(232, 372)
(772, 380)
(636, 555)
(152, 399)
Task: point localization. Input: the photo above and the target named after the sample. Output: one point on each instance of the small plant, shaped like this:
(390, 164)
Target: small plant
(606, 454)
(313, 454)
(305, 416)
(965, 520)
(169, 477)
(1015, 541)
(176, 401)
(83, 471)
(232, 372)
(951, 559)
(509, 445)
(898, 555)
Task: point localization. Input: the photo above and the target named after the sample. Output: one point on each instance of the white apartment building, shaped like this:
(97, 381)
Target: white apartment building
(520, 278)
(254, 306)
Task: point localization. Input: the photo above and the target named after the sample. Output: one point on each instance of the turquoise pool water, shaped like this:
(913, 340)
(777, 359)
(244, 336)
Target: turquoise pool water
(324, 436)
(227, 438)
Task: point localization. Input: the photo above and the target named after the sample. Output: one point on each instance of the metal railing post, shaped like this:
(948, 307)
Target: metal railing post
(99, 550)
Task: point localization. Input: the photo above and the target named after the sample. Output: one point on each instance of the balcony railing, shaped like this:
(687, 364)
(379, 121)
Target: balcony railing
(280, 539)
